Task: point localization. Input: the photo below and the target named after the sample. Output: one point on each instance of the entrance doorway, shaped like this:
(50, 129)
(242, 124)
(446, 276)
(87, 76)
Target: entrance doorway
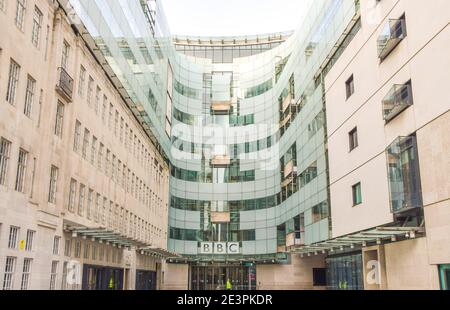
(215, 277)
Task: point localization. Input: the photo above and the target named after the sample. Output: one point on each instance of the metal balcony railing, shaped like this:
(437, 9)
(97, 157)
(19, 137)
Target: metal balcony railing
(393, 33)
(64, 84)
(398, 99)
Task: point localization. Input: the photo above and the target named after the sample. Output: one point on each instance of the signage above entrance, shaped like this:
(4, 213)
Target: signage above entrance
(219, 248)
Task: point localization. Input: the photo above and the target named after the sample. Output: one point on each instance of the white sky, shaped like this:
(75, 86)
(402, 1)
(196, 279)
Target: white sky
(233, 17)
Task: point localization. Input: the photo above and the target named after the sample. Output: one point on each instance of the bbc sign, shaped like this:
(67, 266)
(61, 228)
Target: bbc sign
(219, 248)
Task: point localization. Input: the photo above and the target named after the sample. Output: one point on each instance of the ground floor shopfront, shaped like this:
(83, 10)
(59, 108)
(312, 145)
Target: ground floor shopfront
(216, 277)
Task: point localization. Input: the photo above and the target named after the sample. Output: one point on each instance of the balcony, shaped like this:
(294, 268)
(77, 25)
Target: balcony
(289, 169)
(220, 161)
(393, 33)
(220, 217)
(64, 84)
(404, 175)
(221, 107)
(398, 99)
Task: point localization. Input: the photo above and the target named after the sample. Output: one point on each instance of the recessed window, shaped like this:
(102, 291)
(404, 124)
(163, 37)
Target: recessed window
(353, 138)
(356, 191)
(350, 87)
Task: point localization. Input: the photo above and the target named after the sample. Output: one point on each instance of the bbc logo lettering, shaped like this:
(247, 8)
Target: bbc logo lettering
(219, 248)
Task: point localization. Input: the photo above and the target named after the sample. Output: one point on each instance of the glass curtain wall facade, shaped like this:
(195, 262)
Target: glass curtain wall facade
(245, 137)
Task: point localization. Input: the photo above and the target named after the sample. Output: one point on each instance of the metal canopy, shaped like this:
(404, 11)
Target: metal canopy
(376, 235)
(158, 252)
(102, 234)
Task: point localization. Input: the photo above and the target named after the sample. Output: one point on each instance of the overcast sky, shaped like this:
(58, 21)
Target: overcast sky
(233, 17)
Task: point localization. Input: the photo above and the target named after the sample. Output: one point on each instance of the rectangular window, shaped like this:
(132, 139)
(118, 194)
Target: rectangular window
(100, 156)
(86, 138)
(53, 183)
(77, 249)
(110, 119)
(81, 196)
(121, 129)
(116, 123)
(93, 150)
(356, 192)
(29, 240)
(105, 100)
(108, 161)
(90, 90)
(13, 236)
(37, 26)
(59, 119)
(353, 139)
(89, 204)
(81, 81)
(2, 5)
(64, 277)
(68, 247)
(86, 250)
(26, 271)
(21, 170)
(8, 279)
(77, 137)
(13, 81)
(72, 193)
(350, 86)
(5, 148)
(65, 56)
(97, 99)
(20, 13)
(97, 208)
(53, 275)
(56, 241)
(29, 96)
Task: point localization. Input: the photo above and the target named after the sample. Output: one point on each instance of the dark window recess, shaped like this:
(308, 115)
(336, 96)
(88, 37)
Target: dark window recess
(357, 196)
(353, 139)
(350, 86)
(319, 276)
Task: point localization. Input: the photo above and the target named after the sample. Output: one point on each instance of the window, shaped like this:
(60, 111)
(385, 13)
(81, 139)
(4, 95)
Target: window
(68, 247)
(20, 13)
(97, 99)
(398, 99)
(53, 183)
(356, 191)
(13, 236)
(116, 123)
(5, 148)
(93, 150)
(350, 87)
(353, 139)
(37, 26)
(53, 274)
(81, 195)
(86, 250)
(59, 119)
(77, 249)
(2, 5)
(85, 143)
(77, 136)
(89, 204)
(72, 193)
(64, 277)
(29, 241)
(29, 96)
(90, 90)
(105, 99)
(100, 156)
(97, 207)
(21, 170)
(8, 278)
(110, 120)
(81, 81)
(319, 212)
(26, 270)
(121, 129)
(65, 56)
(56, 241)
(13, 81)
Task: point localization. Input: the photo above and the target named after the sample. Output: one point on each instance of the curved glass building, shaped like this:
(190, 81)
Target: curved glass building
(241, 121)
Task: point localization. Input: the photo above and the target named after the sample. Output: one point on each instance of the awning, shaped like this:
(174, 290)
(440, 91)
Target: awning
(103, 234)
(158, 252)
(374, 236)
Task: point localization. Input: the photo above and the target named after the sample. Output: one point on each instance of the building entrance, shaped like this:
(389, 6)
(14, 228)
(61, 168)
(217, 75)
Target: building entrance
(215, 277)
